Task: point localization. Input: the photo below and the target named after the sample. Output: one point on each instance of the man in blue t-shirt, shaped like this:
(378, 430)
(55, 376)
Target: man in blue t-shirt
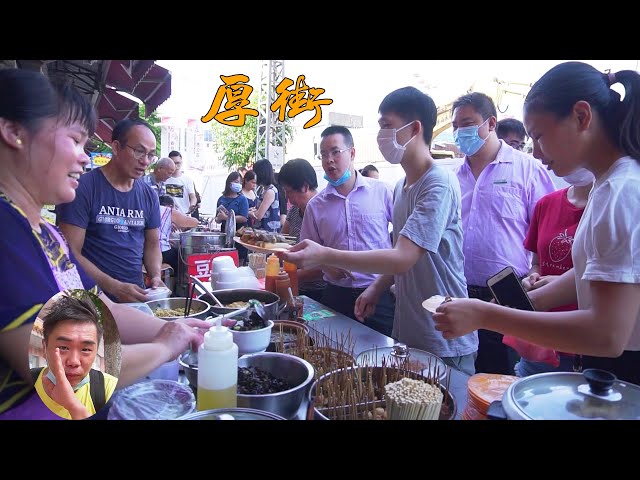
(112, 226)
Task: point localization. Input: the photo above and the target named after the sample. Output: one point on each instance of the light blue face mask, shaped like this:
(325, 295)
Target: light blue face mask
(468, 140)
(336, 183)
(82, 383)
(235, 187)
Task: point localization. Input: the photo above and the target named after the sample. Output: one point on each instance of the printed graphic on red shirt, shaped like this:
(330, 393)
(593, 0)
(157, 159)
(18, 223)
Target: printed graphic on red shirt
(560, 246)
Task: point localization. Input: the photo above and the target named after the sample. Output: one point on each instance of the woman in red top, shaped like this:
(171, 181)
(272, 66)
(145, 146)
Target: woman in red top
(550, 237)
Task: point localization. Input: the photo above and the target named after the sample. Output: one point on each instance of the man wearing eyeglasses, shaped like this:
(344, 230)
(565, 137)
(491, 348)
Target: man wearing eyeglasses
(112, 226)
(352, 213)
(512, 131)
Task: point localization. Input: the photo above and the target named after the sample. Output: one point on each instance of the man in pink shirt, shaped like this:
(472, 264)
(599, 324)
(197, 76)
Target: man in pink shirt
(500, 188)
(352, 213)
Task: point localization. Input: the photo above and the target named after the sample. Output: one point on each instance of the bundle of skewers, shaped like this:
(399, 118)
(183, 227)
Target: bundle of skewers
(360, 393)
(325, 351)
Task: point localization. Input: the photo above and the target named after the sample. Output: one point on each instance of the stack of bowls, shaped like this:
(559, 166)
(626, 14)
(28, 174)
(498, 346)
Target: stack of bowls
(218, 264)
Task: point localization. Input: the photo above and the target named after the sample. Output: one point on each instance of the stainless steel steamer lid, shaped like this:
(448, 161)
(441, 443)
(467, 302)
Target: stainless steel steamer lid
(591, 395)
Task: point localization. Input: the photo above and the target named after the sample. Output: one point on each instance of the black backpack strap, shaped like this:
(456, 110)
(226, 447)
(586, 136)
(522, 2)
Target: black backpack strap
(96, 389)
(35, 372)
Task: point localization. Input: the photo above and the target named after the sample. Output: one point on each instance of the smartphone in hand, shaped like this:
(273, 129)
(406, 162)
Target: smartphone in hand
(508, 290)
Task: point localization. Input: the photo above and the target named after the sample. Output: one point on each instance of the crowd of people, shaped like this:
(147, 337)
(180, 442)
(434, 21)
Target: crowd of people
(561, 217)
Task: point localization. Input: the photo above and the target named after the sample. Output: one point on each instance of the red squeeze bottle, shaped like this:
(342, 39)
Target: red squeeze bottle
(271, 273)
(292, 270)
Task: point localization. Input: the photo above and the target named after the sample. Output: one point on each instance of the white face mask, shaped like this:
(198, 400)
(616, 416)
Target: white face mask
(388, 144)
(580, 177)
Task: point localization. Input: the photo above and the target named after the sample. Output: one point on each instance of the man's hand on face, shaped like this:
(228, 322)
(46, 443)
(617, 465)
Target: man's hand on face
(62, 392)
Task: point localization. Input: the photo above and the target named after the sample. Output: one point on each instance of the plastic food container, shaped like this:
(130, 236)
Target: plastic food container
(483, 389)
(153, 400)
(157, 293)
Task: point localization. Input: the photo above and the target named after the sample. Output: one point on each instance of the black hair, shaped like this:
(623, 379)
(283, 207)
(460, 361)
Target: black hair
(510, 125)
(174, 153)
(369, 168)
(28, 97)
(123, 127)
(79, 309)
(411, 104)
(166, 201)
(480, 102)
(295, 173)
(264, 172)
(338, 129)
(230, 178)
(558, 90)
(248, 176)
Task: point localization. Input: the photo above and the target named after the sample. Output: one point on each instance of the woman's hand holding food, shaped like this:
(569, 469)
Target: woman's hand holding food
(460, 316)
(305, 254)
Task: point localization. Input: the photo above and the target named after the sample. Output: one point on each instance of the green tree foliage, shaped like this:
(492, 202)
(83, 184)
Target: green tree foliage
(237, 145)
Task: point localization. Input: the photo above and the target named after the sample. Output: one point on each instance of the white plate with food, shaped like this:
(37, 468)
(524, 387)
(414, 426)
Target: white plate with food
(432, 303)
(269, 247)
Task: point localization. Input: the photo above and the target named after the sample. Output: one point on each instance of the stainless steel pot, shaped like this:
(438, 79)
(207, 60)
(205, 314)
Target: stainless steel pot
(591, 395)
(202, 242)
(268, 299)
(232, 414)
(293, 370)
(196, 243)
(199, 309)
(403, 357)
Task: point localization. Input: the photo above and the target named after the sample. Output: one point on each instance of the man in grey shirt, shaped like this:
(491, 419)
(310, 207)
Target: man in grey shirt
(426, 258)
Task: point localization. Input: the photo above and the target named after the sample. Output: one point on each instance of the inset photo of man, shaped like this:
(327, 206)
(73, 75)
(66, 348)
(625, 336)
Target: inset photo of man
(74, 356)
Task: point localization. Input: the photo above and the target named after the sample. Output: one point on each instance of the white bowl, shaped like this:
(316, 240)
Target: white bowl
(224, 261)
(246, 272)
(253, 341)
(220, 285)
(228, 275)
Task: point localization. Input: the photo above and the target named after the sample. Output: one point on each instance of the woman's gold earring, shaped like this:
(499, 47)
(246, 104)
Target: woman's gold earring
(18, 141)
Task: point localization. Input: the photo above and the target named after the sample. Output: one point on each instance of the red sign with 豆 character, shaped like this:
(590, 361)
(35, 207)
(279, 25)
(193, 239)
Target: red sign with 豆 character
(199, 265)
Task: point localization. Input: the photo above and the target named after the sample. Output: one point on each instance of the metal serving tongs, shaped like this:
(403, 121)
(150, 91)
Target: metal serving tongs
(252, 303)
(201, 286)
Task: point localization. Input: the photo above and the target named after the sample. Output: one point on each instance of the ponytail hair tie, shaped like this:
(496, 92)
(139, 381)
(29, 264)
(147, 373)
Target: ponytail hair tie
(612, 78)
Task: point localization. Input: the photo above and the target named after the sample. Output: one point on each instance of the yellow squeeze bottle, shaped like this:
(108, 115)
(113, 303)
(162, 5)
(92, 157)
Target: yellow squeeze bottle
(217, 370)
